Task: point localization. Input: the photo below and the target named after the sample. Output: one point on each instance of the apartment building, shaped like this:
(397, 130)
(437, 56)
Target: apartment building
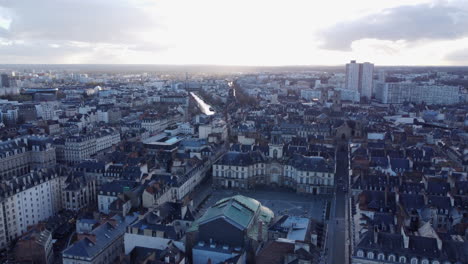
(18, 156)
(26, 200)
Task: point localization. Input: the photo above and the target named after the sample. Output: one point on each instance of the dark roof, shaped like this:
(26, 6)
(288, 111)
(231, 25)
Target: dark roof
(412, 201)
(317, 164)
(273, 252)
(440, 202)
(118, 186)
(400, 164)
(241, 159)
(438, 188)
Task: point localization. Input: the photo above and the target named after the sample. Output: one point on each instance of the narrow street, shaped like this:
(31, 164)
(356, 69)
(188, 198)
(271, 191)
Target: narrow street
(336, 242)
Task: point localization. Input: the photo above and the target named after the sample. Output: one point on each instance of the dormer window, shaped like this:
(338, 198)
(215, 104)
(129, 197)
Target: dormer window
(360, 253)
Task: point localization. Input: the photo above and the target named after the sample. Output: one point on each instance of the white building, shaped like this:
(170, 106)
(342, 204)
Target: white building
(217, 126)
(313, 175)
(348, 95)
(310, 94)
(48, 110)
(398, 93)
(28, 200)
(79, 148)
(367, 79)
(359, 77)
(352, 76)
(106, 138)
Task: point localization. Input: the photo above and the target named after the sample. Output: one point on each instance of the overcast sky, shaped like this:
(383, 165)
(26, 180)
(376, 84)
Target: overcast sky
(235, 32)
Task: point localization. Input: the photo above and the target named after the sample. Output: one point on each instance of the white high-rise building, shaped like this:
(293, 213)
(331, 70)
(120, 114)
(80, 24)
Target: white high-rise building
(352, 76)
(366, 80)
(359, 77)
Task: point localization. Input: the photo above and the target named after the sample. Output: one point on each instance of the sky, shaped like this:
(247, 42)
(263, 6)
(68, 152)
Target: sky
(235, 32)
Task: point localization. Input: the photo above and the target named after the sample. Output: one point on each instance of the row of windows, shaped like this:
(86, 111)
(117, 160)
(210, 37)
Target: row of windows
(393, 258)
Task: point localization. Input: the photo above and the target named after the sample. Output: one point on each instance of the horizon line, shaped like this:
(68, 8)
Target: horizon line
(222, 65)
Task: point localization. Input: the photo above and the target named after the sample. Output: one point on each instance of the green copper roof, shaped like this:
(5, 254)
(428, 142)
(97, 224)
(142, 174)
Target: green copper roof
(238, 209)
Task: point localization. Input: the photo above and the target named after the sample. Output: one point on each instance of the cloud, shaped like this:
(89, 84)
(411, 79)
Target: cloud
(458, 56)
(76, 20)
(54, 30)
(442, 21)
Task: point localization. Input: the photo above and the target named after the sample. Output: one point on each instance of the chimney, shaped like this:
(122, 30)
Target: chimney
(388, 179)
(376, 234)
(439, 241)
(386, 195)
(260, 231)
(405, 237)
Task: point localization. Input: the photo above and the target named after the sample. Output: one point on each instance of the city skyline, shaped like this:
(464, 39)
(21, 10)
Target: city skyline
(254, 33)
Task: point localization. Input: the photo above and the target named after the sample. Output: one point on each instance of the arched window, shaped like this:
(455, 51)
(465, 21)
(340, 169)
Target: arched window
(391, 258)
(414, 261)
(381, 256)
(435, 262)
(360, 253)
(402, 259)
(275, 153)
(370, 255)
(425, 261)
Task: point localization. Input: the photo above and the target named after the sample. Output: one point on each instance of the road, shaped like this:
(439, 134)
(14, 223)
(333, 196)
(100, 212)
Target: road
(336, 241)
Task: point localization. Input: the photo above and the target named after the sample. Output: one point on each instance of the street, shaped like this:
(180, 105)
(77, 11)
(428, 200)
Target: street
(336, 243)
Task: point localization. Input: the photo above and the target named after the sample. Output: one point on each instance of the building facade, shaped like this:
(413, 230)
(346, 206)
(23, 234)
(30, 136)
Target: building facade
(398, 93)
(18, 156)
(314, 175)
(359, 77)
(27, 200)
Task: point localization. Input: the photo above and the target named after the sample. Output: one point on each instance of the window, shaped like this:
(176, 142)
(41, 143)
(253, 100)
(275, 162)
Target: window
(391, 258)
(370, 255)
(381, 256)
(402, 259)
(414, 261)
(360, 253)
(425, 261)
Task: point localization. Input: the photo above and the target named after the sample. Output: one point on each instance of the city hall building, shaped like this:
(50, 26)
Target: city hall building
(245, 170)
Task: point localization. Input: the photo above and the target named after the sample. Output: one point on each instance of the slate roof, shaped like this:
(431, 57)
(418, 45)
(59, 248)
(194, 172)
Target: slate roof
(411, 187)
(117, 186)
(375, 200)
(241, 159)
(418, 246)
(304, 163)
(379, 162)
(400, 164)
(412, 201)
(439, 202)
(105, 235)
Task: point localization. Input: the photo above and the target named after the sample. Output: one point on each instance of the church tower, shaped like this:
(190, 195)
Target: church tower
(276, 145)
